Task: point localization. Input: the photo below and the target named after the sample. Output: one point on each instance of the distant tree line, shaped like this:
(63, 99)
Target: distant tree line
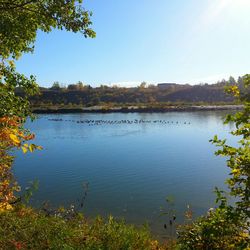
(85, 95)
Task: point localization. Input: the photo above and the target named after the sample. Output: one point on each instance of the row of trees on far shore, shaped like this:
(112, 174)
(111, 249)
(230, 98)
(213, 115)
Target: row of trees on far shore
(85, 95)
(82, 86)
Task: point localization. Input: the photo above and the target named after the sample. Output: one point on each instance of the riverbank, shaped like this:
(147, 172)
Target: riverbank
(133, 109)
(26, 228)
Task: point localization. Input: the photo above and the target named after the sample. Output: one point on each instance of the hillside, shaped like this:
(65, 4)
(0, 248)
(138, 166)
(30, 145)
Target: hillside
(88, 96)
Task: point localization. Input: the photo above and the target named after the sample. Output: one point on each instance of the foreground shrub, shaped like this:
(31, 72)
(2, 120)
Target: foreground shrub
(220, 229)
(227, 227)
(25, 228)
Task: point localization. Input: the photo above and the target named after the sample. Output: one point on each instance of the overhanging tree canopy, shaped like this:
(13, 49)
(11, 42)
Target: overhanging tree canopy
(19, 22)
(21, 19)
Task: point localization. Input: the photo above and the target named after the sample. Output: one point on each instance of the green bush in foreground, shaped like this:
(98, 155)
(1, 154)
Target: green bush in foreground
(227, 227)
(220, 230)
(25, 228)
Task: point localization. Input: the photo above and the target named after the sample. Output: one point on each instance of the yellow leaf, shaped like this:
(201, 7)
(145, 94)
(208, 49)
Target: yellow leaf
(14, 138)
(31, 147)
(236, 171)
(39, 147)
(24, 150)
(11, 63)
(4, 206)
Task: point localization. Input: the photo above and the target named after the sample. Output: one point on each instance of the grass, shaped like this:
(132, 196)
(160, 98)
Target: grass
(25, 228)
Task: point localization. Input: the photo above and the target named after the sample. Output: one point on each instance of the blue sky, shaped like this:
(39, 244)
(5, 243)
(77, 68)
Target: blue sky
(182, 41)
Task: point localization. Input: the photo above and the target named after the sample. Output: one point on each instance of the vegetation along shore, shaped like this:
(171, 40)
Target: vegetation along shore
(134, 109)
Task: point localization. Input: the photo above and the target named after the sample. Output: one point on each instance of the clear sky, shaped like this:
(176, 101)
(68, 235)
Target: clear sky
(182, 41)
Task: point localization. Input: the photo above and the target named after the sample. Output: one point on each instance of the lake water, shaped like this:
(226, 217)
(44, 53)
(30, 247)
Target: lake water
(132, 162)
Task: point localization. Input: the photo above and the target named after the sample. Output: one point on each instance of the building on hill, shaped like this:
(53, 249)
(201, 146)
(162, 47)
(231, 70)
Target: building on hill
(165, 85)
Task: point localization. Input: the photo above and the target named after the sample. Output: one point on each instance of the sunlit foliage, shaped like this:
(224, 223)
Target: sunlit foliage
(227, 226)
(12, 136)
(21, 19)
(19, 22)
(27, 229)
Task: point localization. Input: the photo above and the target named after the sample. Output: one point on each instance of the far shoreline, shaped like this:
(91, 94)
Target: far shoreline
(134, 109)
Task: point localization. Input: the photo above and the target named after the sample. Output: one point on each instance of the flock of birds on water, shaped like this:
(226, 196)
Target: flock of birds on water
(91, 122)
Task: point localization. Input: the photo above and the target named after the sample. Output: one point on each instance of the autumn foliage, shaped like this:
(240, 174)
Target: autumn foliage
(12, 136)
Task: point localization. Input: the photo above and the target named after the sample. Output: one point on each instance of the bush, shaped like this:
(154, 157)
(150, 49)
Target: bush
(227, 227)
(25, 228)
(218, 230)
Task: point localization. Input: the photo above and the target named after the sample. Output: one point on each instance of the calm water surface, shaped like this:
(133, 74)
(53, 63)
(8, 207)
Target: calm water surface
(130, 168)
